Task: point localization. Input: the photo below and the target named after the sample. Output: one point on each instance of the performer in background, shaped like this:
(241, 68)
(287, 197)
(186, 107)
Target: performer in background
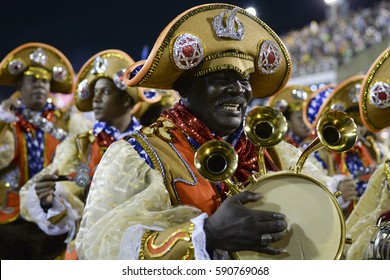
(295, 102)
(31, 127)
(57, 206)
(357, 164)
(368, 226)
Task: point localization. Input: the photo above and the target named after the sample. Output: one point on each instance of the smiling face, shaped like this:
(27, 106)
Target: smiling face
(219, 99)
(109, 102)
(34, 92)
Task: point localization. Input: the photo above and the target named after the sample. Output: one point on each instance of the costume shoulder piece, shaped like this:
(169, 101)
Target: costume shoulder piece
(164, 145)
(83, 140)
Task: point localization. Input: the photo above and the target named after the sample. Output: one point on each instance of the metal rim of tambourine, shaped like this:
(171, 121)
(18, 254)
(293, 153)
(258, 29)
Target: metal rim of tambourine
(279, 174)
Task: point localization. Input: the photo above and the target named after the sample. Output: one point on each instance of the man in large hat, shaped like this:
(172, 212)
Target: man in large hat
(57, 206)
(147, 200)
(368, 226)
(30, 129)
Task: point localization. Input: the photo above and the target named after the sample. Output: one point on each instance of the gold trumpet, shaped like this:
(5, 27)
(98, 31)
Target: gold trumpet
(336, 131)
(217, 160)
(265, 127)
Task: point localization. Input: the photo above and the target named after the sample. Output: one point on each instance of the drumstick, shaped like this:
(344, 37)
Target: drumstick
(63, 178)
(82, 180)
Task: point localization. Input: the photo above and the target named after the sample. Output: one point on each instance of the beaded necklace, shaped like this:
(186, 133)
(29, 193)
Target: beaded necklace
(34, 125)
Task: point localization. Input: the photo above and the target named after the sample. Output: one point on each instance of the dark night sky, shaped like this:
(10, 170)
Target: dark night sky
(82, 28)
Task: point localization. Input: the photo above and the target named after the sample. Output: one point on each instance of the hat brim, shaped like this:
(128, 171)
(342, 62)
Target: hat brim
(55, 57)
(374, 118)
(159, 70)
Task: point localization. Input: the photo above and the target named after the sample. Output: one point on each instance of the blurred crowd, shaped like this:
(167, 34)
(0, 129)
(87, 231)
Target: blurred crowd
(325, 45)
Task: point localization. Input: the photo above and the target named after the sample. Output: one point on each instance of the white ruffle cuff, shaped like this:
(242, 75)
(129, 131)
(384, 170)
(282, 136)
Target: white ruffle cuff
(59, 205)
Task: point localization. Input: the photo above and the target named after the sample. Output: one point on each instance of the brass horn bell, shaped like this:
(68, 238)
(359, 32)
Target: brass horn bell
(265, 127)
(216, 160)
(336, 131)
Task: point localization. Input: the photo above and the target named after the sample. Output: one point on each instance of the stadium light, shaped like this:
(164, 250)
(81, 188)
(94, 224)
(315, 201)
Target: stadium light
(251, 10)
(332, 9)
(330, 2)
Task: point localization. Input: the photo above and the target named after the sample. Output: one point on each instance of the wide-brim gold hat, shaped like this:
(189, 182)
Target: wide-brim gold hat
(111, 64)
(342, 97)
(213, 37)
(345, 97)
(40, 60)
(290, 98)
(375, 94)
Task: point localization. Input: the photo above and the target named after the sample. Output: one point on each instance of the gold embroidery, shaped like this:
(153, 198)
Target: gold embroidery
(387, 172)
(153, 250)
(141, 254)
(162, 129)
(148, 151)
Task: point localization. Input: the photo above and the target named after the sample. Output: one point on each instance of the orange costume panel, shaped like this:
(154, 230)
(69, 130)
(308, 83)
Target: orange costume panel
(10, 209)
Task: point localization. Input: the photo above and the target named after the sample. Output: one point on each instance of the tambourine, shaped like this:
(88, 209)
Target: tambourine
(315, 219)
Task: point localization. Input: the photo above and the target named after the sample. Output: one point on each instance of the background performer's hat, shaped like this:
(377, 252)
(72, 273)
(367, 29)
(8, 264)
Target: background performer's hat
(110, 64)
(39, 60)
(375, 94)
(290, 99)
(343, 97)
(213, 37)
(314, 106)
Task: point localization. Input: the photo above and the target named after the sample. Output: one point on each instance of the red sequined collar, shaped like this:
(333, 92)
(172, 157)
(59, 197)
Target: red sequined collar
(29, 127)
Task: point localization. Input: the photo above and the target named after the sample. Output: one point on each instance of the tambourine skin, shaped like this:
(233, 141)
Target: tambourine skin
(317, 227)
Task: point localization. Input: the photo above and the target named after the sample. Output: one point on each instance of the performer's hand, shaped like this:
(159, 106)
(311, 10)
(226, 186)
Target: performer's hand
(234, 227)
(10, 105)
(347, 187)
(44, 187)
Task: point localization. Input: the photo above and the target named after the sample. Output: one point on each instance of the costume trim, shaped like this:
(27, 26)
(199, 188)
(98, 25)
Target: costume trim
(151, 250)
(195, 181)
(157, 164)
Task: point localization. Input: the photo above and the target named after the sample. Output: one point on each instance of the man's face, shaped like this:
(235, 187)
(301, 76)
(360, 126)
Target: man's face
(220, 100)
(297, 125)
(34, 92)
(108, 101)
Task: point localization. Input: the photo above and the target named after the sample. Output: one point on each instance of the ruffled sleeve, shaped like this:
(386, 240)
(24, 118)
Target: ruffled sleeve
(127, 203)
